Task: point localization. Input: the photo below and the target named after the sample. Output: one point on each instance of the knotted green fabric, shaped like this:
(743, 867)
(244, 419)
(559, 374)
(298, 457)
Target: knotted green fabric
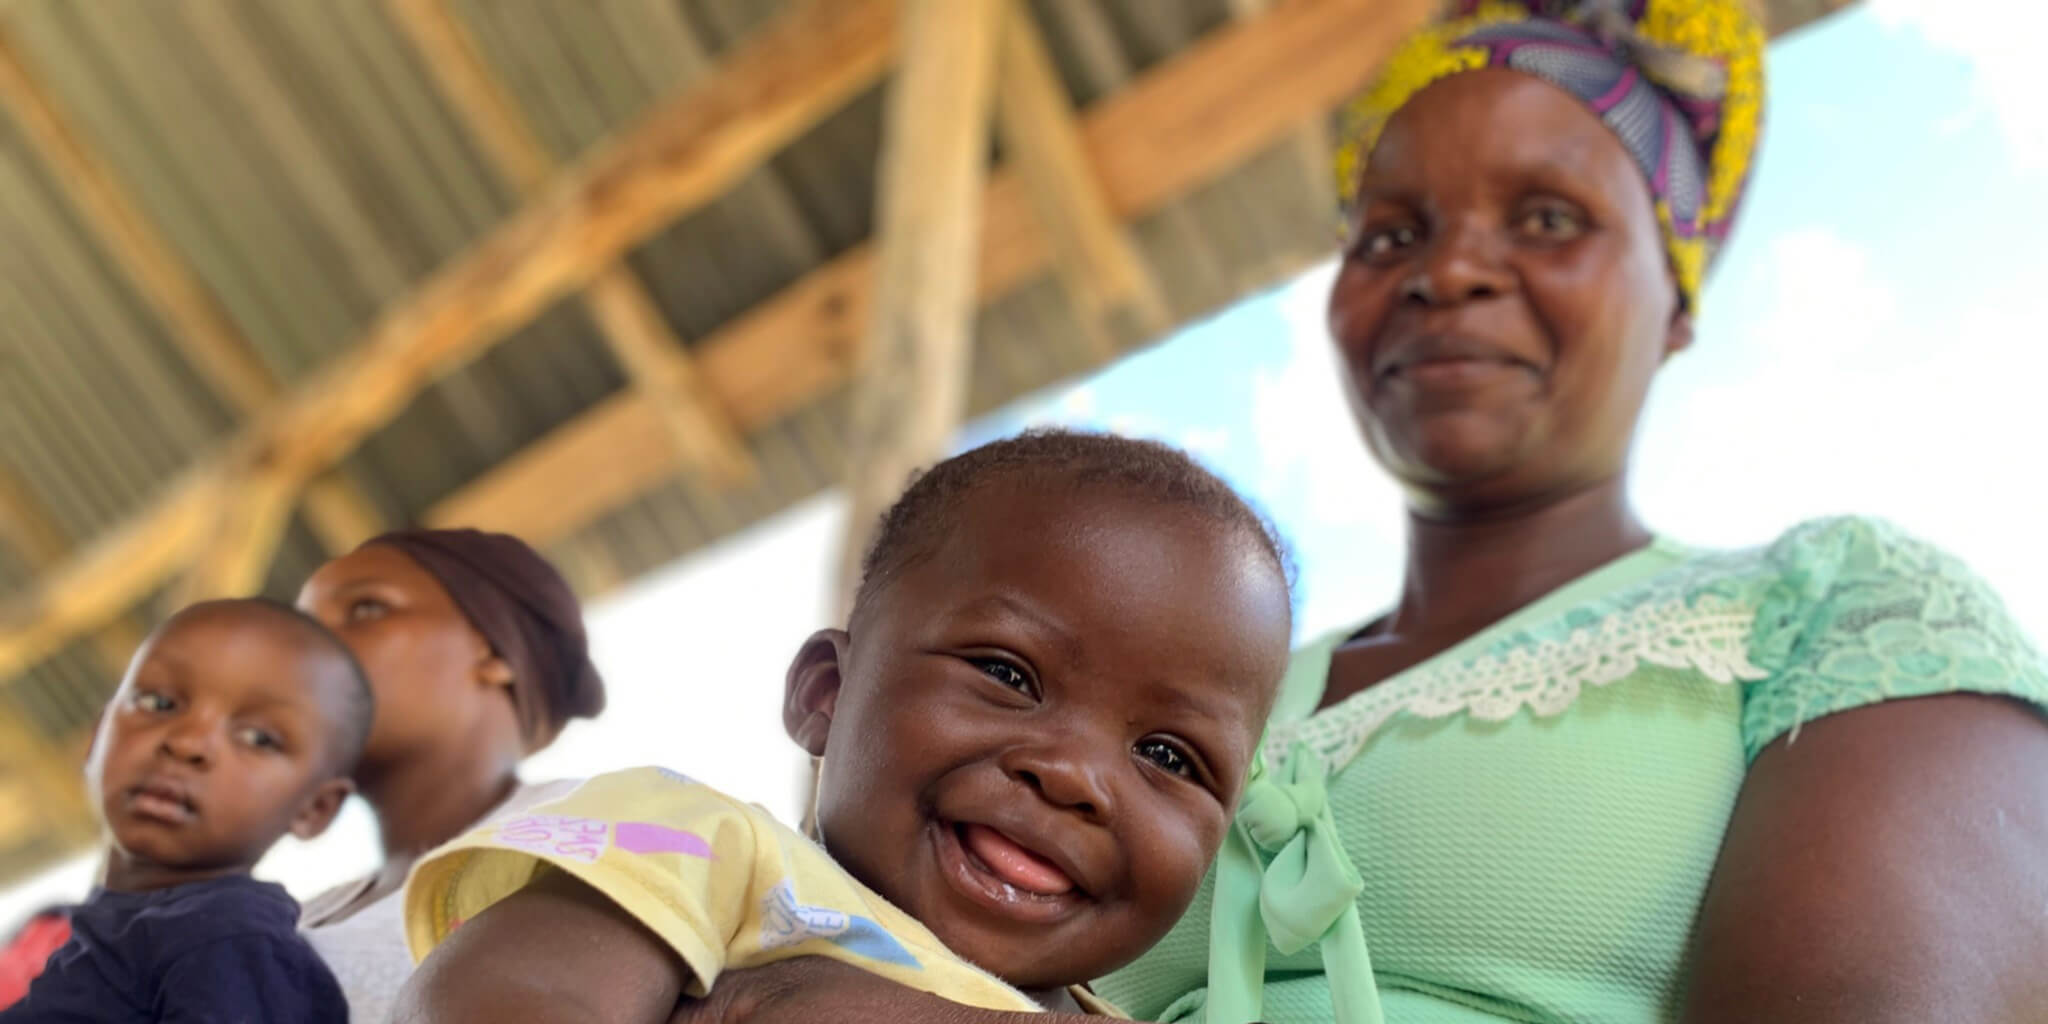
(1306, 894)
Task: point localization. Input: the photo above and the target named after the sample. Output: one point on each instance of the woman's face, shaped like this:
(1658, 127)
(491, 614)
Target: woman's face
(1504, 297)
(430, 670)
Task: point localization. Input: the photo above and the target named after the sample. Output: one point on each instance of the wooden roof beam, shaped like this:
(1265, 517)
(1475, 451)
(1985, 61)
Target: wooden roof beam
(686, 152)
(634, 329)
(195, 321)
(41, 544)
(1119, 299)
(1192, 119)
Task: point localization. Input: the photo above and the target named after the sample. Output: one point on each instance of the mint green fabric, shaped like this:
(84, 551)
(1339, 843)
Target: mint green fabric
(1530, 819)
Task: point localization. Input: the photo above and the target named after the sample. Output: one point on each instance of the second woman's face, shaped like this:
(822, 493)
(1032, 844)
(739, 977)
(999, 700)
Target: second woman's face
(425, 661)
(1504, 297)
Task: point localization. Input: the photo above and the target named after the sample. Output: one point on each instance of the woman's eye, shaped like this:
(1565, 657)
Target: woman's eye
(364, 609)
(1552, 222)
(1378, 243)
(260, 739)
(149, 700)
(1005, 673)
(1168, 757)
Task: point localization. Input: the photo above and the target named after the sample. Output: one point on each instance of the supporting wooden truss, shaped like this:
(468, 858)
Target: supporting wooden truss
(1233, 94)
(910, 389)
(1187, 122)
(700, 433)
(685, 153)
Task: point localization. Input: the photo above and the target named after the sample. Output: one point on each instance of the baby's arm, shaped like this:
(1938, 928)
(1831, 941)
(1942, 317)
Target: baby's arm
(555, 951)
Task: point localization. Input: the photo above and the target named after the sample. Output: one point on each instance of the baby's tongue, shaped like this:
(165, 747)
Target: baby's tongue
(1015, 864)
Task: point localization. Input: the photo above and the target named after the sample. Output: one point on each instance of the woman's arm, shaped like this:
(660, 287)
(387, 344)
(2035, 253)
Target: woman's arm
(1885, 865)
(809, 989)
(555, 951)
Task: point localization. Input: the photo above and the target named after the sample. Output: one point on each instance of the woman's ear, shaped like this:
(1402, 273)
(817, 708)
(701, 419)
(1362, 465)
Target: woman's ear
(811, 689)
(494, 671)
(1678, 337)
(320, 808)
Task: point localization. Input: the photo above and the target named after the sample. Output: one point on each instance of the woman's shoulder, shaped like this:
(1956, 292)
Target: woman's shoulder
(1851, 611)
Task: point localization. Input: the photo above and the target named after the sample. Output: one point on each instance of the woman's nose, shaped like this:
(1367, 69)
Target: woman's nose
(1464, 263)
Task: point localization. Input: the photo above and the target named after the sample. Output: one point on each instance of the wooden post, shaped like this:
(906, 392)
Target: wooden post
(701, 435)
(1119, 300)
(911, 386)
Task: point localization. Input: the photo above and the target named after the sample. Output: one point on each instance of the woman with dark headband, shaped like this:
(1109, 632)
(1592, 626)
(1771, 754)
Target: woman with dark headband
(476, 651)
(1582, 772)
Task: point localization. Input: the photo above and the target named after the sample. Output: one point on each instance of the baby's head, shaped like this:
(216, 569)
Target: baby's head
(1036, 725)
(238, 721)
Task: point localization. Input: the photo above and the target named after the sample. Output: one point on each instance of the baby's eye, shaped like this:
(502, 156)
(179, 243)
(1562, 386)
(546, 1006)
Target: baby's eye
(260, 739)
(150, 700)
(364, 609)
(1005, 673)
(1170, 759)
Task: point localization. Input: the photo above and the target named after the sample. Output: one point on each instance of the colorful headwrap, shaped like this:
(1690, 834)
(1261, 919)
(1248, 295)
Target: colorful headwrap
(1681, 82)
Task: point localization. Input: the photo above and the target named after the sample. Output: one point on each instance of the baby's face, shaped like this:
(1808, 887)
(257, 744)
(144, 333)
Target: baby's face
(1041, 731)
(216, 739)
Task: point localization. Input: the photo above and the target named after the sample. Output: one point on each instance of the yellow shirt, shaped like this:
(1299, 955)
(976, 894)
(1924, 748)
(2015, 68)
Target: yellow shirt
(721, 881)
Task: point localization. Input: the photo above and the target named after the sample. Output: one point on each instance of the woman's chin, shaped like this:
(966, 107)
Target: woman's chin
(1450, 460)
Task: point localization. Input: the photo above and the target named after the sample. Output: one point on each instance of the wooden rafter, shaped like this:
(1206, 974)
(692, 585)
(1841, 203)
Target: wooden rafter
(192, 317)
(686, 152)
(1198, 116)
(910, 388)
(1313, 149)
(1120, 301)
(639, 337)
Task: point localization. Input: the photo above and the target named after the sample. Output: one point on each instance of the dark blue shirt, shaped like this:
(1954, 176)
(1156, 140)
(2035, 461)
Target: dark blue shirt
(225, 951)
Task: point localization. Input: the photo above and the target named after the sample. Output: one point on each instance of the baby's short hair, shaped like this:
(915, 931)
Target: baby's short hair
(352, 733)
(912, 528)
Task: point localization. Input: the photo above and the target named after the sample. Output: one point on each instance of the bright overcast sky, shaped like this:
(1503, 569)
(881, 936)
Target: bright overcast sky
(1874, 343)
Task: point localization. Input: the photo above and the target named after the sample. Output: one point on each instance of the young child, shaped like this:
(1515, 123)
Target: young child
(238, 721)
(1033, 734)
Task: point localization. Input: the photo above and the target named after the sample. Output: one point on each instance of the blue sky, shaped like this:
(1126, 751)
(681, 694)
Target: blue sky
(1874, 343)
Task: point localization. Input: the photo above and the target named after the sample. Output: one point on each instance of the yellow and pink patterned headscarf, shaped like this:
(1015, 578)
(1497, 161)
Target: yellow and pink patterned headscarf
(1681, 83)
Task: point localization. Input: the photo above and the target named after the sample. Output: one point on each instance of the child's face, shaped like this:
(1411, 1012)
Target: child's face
(220, 740)
(1034, 740)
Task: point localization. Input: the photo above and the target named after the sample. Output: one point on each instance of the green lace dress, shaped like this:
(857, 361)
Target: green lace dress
(1522, 828)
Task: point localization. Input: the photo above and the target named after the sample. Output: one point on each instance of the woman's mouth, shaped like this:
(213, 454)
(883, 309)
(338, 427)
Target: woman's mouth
(1003, 875)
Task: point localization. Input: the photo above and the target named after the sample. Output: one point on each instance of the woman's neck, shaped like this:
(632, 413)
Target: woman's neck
(1465, 571)
(431, 797)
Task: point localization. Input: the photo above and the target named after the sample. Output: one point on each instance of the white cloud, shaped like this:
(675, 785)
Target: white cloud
(2001, 40)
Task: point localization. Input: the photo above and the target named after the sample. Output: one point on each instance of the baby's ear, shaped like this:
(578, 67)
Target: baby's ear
(319, 809)
(811, 690)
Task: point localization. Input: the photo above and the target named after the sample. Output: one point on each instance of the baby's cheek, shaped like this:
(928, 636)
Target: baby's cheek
(1173, 859)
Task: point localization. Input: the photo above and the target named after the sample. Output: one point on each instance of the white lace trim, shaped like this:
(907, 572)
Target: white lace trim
(1708, 634)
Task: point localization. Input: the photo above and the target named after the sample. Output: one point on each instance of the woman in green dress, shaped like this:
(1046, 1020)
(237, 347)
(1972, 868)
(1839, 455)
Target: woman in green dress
(1582, 772)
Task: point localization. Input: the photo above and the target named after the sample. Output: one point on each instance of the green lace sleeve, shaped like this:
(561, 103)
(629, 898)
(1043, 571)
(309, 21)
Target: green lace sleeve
(1854, 611)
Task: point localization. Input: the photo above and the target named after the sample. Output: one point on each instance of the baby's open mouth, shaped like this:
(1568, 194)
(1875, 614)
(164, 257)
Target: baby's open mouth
(1008, 860)
(1003, 875)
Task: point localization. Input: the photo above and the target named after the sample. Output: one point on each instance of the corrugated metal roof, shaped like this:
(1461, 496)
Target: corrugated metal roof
(299, 158)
